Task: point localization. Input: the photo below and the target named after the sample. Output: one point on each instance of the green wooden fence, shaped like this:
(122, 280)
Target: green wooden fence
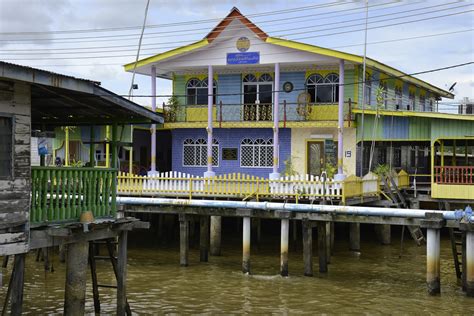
(61, 194)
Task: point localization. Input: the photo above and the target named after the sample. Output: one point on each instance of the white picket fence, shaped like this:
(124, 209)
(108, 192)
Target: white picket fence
(175, 183)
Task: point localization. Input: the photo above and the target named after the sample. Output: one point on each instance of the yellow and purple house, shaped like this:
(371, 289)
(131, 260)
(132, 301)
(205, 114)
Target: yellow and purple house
(246, 102)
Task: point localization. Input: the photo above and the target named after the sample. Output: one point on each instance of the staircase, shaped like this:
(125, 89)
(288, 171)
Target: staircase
(94, 255)
(399, 201)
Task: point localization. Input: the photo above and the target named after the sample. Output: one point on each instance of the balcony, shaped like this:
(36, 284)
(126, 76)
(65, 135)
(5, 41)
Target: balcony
(62, 194)
(453, 182)
(225, 114)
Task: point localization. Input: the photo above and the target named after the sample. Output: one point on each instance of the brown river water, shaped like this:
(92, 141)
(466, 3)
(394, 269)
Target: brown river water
(375, 281)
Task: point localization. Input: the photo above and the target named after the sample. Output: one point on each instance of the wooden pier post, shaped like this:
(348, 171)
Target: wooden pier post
(246, 245)
(329, 232)
(76, 275)
(470, 263)
(285, 231)
(307, 229)
(216, 235)
(433, 261)
(122, 273)
(183, 240)
(204, 239)
(354, 236)
(385, 234)
(322, 247)
(17, 283)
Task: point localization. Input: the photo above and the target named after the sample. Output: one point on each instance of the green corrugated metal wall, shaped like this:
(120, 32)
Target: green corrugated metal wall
(451, 129)
(419, 128)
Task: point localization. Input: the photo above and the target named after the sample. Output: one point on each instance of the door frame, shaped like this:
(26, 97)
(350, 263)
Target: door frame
(307, 142)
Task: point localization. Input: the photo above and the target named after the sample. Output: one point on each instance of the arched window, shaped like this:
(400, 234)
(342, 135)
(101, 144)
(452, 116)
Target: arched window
(195, 152)
(249, 78)
(265, 78)
(323, 90)
(196, 91)
(256, 153)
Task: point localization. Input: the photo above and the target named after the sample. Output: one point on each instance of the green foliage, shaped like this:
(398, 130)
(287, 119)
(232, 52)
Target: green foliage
(76, 163)
(382, 170)
(289, 167)
(171, 109)
(330, 168)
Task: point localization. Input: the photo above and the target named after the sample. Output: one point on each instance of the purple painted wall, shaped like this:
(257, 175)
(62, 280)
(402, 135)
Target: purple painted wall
(228, 138)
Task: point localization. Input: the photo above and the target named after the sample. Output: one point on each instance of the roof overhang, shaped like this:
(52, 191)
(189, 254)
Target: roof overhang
(433, 115)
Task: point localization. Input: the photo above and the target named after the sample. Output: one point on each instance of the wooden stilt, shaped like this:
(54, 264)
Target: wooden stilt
(76, 274)
(354, 236)
(122, 304)
(204, 239)
(215, 235)
(5, 262)
(328, 241)
(307, 247)
(15, 287)
(95, 288)
(322, 247)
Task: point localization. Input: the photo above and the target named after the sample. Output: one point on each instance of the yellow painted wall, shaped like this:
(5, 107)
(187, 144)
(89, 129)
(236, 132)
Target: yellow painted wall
(300, 136)
(452, 191)
(199, 114)
(324, 112)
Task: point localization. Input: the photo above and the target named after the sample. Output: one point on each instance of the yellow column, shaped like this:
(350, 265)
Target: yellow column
(66, 148)
(107, 146)
(453, 162)
(442, 153)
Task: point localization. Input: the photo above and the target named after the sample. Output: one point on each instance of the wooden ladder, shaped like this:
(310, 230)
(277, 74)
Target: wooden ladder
(399, 201)
(93, 257)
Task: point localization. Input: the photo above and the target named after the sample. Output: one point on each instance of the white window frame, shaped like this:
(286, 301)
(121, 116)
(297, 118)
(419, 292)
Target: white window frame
(315, 80)
(257, 82)
(258, 146)
(398, 97)
(200, 84)
(199, 145)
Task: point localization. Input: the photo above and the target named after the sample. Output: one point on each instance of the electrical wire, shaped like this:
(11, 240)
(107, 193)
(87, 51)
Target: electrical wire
(323, 35)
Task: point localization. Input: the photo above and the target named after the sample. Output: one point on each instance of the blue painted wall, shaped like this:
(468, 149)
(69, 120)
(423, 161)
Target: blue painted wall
(395, 127)
(228, 138)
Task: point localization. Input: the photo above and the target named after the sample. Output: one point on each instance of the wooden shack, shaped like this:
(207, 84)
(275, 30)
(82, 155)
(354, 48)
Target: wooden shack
(37, 203)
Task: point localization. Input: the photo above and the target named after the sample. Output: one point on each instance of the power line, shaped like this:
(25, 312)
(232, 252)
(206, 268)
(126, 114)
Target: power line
(187, 41)
(258, 33)
(322, 35)
(276, 12)
(334, 47)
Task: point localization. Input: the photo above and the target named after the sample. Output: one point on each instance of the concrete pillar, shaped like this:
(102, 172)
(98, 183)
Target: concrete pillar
(354, 236)
(285, 231)
(76, 276)
(183, 240)
(470, 263)
(322, 247)
(153, 126)
(340, 125)
(204, 239)
(246, 245)
(433, 261)
(276, 120)
(307, 247)
(216, 231)
(210, 100)
(122, 273)
(385, 234)
(328, 241)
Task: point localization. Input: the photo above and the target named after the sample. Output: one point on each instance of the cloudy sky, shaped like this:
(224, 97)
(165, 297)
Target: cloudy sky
(80, 37)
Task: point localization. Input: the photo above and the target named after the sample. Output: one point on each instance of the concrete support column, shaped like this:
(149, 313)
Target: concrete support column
(216, 232)
(210, 100)
(433, 261)
(204, 239)
(276, 120)
(470, 263)
(384, 232)
(183, 240)
(322, 247)
(153, 126)
(246, 245)
(329, 233)
(285, 231)
(354, 236)
(76, 276)
(340, 125)
(307, 247)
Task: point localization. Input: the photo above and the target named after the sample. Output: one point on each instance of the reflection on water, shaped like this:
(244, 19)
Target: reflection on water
(374, 281)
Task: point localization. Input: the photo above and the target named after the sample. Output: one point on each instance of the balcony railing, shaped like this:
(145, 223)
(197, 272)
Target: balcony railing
(62, 194)
(263, 112)
(454, 175)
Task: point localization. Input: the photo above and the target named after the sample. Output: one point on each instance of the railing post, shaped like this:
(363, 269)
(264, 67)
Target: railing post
(220, 113)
